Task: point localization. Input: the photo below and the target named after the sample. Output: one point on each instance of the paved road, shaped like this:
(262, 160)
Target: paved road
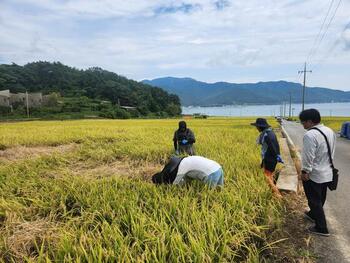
(337, 208)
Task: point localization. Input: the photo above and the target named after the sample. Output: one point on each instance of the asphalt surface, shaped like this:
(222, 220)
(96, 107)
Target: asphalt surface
(335, 248)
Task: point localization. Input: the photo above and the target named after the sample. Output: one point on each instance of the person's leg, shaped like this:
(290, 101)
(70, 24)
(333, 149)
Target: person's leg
(313, 192)
(221, 178)
(215, 179)
(182, 149)
(308, 194)
(191, 150)
(320, 219)
(269, 178)
(324, 194)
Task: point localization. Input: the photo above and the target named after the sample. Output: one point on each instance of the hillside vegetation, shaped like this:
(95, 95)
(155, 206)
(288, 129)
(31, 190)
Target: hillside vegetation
(88, 90)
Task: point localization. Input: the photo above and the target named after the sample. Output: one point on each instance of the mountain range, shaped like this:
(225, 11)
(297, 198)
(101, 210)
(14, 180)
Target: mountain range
(198, 93)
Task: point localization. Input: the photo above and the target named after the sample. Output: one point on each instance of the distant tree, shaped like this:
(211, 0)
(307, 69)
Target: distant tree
(82, 87)
(52, 99)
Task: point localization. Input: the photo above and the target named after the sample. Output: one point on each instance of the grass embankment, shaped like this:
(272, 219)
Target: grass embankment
(93, 201)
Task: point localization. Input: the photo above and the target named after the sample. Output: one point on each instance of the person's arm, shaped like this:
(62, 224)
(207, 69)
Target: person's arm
(180, 179)
(309, 152)
(175, 141)
(333, 144)
(190, 137)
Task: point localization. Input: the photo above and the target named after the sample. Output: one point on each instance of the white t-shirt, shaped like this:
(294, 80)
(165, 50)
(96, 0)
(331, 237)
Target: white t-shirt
(195, 167)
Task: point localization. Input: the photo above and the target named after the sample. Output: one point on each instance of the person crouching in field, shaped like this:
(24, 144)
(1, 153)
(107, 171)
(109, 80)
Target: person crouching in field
(270, 151)
(181, 170)
(184, 140)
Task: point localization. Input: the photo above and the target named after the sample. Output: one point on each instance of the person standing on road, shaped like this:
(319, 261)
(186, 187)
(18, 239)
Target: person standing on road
(184, 140)
(270, 152)
(316, 169)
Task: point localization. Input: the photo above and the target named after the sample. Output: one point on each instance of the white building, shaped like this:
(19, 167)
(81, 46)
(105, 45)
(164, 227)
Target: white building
(8, 99)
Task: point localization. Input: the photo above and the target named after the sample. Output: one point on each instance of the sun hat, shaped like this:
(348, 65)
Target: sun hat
(261, 122)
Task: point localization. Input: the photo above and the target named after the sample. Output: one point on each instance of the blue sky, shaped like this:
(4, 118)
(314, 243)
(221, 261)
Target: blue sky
(209, 40)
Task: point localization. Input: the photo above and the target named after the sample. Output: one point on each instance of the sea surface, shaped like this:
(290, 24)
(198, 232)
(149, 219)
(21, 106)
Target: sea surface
(326, 110)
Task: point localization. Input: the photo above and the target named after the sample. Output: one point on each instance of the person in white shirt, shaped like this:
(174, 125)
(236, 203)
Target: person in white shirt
(181, 170)
(316, 167)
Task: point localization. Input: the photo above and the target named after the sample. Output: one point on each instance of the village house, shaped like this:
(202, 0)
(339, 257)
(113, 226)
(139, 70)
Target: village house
(5, 98)
(35, 100)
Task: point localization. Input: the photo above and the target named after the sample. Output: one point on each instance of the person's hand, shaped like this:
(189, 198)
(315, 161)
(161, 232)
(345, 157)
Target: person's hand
(279, 159)
(184, 141)
(305, 176)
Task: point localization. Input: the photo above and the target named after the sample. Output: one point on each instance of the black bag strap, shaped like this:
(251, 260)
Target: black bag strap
(329, 148)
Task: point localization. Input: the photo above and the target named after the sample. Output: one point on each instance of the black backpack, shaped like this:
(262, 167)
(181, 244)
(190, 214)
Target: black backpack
(169, 172)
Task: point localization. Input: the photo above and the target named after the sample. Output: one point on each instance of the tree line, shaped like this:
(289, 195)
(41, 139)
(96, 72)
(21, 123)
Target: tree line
(91, 90)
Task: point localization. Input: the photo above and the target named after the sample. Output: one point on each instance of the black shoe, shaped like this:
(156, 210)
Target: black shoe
(317, 231)
(309, 217)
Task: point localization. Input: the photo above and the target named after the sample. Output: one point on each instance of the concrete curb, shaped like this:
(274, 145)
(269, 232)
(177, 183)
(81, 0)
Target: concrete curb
(290, 143)
(288, 178)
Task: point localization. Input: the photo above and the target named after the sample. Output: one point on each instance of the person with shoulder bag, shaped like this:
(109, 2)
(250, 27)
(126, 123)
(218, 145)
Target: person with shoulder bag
(318, 172)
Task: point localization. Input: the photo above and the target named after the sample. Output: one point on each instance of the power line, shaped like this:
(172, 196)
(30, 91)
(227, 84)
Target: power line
(317, 43)
(324, 33)
(319, 32)
(330, 51)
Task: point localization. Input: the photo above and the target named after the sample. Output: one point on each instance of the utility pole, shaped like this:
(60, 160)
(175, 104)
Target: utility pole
(282, 107)
(27, 104)
(281, 111)
(290, 104)
(304, 71)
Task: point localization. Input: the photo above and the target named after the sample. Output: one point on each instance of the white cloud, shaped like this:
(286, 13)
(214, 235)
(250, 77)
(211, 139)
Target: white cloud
(204, 39)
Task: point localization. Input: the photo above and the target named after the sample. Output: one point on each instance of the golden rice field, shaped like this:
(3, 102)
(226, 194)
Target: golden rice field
(80, 191)
(334, 122)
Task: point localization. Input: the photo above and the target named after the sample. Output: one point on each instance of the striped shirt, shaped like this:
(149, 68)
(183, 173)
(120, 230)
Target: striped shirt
(315, 159)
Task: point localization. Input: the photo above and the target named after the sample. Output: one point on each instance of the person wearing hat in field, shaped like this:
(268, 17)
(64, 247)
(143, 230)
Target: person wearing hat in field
(181, 170)
(270, 151)
(184, 140)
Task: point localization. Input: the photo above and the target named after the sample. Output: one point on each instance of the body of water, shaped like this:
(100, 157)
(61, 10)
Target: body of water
(326, 109)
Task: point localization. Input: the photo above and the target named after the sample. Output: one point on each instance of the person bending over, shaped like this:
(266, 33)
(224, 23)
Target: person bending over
(181, 170)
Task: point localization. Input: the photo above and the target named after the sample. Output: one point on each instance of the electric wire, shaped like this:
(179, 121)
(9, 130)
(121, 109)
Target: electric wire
(319, 32)
(325, 31)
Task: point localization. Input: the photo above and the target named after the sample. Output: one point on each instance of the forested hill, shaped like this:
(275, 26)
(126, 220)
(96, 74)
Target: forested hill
(193, 92)
(93, 83)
